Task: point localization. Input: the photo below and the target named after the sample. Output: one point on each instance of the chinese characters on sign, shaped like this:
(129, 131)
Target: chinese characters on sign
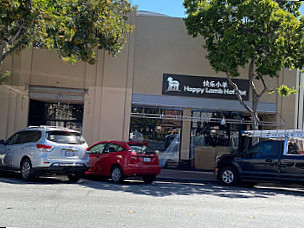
(211, 87)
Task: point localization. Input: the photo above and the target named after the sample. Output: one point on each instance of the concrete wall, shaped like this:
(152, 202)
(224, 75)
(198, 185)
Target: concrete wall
(287, 105)
(14, 99)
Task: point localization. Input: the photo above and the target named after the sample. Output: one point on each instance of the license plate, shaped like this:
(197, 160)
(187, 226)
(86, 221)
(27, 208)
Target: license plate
(147, 159)
(69, 152)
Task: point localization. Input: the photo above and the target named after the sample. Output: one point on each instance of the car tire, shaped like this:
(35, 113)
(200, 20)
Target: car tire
(26, 170)
(148, 179)
(229, 176)
(117, 174)
(74, 177)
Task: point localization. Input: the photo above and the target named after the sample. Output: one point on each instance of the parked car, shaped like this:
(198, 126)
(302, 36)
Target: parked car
(118, 160)
(278, 158)
(45, 150)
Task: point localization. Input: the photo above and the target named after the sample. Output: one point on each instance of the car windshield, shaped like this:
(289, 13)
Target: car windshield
(65, 137)
(141, 149)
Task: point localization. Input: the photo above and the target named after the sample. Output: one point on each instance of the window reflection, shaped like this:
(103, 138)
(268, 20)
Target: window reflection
(161, 128)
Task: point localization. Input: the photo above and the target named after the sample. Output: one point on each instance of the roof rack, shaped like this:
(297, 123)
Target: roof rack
(274, 133)
(47, 126)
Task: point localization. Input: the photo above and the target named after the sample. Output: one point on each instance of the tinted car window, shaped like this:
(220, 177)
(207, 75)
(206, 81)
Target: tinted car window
(141, 149)
(29, 136)
(97, 149)
(13, 139)
(262, 149)
(65, 137)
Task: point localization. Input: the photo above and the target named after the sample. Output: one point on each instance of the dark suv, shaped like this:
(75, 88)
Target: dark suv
(278, 157)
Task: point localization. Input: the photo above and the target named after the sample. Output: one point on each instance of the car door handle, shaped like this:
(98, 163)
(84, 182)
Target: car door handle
(9, 149)
(97, 156)
(268, 160)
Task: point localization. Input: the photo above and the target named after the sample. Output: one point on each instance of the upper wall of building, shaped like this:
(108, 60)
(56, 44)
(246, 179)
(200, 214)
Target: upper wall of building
(163, 46)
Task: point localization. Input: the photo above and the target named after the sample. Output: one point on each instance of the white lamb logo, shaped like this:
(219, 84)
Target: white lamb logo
(173, 84)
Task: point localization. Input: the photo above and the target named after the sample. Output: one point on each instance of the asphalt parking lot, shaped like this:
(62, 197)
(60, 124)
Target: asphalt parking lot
(56, 202)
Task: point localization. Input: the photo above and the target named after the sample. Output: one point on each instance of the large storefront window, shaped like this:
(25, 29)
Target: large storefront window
(56, 114)
(161, 128)
(213, 134)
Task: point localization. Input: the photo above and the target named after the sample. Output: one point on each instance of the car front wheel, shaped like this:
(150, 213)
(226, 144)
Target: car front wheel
(228, 176)
(117, 174)
(26, 170)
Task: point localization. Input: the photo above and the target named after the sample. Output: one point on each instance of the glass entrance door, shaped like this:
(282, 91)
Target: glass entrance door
(158, 127)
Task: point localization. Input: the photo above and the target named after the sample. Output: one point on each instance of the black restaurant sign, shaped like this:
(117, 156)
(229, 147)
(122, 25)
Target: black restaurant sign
(208, 87)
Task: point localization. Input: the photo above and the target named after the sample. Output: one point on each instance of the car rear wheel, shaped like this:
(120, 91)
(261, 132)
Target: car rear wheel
(229, 176)
(74, 177)
(148, 179)
(26, 170)
(117, 174)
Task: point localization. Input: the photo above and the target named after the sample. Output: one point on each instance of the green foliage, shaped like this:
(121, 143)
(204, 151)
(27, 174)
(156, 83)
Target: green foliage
(285, 91)
(4, 76)
(236, 31)
(267, 35)
(75, 28)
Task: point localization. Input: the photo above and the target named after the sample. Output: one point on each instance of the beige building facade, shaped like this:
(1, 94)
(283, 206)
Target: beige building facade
(129, 97)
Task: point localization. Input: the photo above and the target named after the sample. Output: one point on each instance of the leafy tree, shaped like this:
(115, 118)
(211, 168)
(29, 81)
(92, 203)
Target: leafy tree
(266, 35)
(75, 28)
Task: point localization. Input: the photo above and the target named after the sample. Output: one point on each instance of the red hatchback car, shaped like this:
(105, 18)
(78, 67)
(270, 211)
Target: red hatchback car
(119, 160)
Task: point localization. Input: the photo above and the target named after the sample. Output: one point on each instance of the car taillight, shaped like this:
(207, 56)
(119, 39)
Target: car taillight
(134, 155)
(44, 148)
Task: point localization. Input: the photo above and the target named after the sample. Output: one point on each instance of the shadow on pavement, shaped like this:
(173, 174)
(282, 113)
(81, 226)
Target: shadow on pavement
(162, 188)
(15, 178)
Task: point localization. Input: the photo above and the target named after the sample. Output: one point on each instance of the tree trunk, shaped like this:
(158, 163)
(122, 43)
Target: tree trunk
(255, 98)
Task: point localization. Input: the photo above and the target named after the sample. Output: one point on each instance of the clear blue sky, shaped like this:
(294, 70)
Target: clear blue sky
(173, 8)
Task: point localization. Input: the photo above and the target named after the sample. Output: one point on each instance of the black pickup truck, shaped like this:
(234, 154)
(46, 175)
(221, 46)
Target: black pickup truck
(271, 160)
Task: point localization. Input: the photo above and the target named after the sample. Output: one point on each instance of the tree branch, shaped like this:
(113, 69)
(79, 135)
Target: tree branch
(234, 85)
(265, 87)
(2, 45)
(12, 40)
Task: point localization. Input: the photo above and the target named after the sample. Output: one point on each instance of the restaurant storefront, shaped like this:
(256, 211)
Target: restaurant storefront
(194, 120)
(160, 89)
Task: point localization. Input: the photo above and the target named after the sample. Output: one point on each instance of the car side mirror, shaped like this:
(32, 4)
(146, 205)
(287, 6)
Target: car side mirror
(2, 141)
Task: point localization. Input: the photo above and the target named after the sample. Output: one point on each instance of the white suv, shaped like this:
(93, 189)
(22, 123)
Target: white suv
(44, 150)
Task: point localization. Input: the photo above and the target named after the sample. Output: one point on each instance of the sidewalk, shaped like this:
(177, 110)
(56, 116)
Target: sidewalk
(186, 176)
